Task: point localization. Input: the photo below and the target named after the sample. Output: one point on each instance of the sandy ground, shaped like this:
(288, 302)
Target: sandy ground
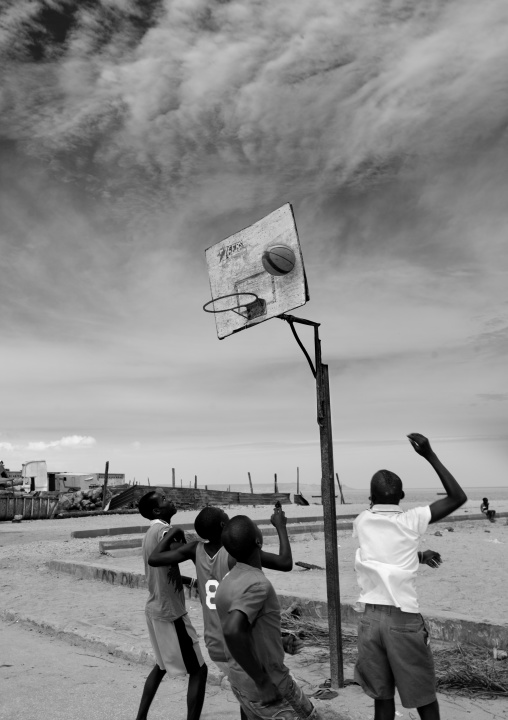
(471, 583)
(49, 678)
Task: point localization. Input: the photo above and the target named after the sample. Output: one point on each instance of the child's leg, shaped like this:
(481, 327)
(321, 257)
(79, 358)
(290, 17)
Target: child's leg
(151, 686)
(384, 709)
(196, 693)
(429, 712)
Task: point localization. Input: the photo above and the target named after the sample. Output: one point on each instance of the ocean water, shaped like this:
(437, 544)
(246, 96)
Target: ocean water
(311, 491)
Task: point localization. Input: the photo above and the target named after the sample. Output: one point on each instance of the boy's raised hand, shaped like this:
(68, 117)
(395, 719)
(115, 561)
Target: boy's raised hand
(421, 444)
(279, 518)
(431, 558)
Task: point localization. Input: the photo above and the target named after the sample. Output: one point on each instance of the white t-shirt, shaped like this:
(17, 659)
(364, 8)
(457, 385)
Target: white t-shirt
(386, 562)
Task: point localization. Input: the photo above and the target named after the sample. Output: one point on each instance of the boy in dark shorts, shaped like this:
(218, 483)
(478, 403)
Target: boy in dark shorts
(393, 642)
(174, 640)
(250, 616)
(213, 562)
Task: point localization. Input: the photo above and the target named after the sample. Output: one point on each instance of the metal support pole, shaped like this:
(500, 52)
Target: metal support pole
(324, 419)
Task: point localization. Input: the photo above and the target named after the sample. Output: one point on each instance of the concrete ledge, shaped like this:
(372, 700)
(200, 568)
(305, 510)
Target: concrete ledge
(89, 571)
(126, 552)
(141, 529)
(299, 528)
(344, 522)
(82, 637)
(109, 545)
(455, 630)
(446, 629)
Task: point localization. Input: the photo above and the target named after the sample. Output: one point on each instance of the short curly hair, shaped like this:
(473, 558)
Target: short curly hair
(208, 523)
(386, 486)
(147, 504)
(239, 537)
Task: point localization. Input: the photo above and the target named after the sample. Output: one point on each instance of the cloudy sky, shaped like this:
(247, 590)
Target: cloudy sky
(134, 135)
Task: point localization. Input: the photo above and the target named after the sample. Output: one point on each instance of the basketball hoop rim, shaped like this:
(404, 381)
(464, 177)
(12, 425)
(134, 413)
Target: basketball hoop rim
(230, 309)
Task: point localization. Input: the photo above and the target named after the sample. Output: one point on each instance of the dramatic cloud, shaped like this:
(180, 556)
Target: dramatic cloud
(134, 135)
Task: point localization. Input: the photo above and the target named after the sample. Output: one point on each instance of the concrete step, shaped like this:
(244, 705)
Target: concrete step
(445, 629)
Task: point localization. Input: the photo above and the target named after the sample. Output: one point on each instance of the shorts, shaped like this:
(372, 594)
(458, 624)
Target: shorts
(295, 705)
(175, 645)
(394, 652)
(223, 667)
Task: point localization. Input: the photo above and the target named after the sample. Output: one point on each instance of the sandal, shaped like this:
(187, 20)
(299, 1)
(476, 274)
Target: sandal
(325, 694)
(326, 684)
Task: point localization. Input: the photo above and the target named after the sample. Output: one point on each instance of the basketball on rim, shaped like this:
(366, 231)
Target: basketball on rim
(278, 260)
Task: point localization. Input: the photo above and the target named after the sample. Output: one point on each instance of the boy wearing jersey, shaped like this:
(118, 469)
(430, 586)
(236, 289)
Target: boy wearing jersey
(250, 615)
(213, 562)
(174, 640)
(393, 643)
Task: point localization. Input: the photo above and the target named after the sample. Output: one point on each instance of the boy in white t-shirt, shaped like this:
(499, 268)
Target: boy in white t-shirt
(393, 644)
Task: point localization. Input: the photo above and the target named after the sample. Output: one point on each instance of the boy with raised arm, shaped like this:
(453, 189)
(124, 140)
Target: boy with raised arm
(174, 640)
(393, 642)
(250, 616)
(213, 562)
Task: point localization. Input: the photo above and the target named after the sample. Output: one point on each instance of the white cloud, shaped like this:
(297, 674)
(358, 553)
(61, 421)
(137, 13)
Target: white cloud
(136, 445)
(6, 446)
(69, 441)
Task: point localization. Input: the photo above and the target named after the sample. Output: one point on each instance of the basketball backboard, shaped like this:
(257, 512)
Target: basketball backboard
(236, 270)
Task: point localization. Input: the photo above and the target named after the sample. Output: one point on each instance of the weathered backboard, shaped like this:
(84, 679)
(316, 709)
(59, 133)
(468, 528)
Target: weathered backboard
(235, 266)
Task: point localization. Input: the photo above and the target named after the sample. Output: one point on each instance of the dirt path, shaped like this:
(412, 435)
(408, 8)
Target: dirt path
(48, 678)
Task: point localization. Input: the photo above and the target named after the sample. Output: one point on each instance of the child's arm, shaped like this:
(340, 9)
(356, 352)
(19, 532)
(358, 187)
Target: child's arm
(238, 637)
(284, 560)
(170, 552)
(455, 494)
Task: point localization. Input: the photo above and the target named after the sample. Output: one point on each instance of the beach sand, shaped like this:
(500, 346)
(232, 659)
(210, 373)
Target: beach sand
(470, 584)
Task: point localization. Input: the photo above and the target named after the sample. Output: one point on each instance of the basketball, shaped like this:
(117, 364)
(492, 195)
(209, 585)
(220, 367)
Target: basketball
(278, 260)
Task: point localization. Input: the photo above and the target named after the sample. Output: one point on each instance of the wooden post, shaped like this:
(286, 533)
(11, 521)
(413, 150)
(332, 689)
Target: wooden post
(324, 419)
(148, 479)
(297, 480)
(250, 483)
(275, 486)
(105, 486)
(181, 482)
(206, 487)
(173, 476)
(195, 482)
(342, 501)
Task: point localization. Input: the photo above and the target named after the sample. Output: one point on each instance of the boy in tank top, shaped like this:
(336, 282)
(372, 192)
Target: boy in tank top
(213, 562)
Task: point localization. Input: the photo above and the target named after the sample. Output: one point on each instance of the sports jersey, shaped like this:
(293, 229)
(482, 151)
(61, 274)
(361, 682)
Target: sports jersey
(210, 571)
(166, 599)
(247, 589)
